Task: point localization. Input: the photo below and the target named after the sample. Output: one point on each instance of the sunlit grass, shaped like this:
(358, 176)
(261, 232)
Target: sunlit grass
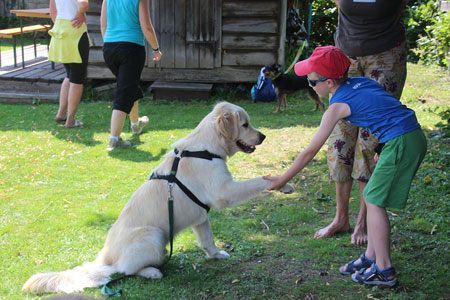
(60, 191)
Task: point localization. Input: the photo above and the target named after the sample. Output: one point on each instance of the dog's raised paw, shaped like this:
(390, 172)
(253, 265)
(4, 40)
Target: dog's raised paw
(287, 189)
(220, 255)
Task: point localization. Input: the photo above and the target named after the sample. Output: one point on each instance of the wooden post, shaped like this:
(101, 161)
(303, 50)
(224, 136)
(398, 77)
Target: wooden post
(282, 41)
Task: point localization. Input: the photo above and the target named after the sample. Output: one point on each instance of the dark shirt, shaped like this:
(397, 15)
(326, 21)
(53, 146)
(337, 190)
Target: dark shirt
(367, 27)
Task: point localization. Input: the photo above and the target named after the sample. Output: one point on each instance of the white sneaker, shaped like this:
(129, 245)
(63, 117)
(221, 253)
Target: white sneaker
(143, 121)
(113, 144)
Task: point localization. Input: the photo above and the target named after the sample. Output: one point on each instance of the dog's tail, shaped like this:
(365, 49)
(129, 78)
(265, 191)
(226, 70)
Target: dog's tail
(90, 274)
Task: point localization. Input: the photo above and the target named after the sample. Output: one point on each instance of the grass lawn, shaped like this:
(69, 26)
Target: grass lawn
(7, 44)
(60, 191)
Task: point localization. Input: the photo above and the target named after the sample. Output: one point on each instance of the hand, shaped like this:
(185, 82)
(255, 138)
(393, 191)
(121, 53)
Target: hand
(376, 157)
(79, 20)
(277, 182)
(157, 55)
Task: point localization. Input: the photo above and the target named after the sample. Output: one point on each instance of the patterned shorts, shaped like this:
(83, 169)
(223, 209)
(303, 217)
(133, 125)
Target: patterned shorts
(350, 148)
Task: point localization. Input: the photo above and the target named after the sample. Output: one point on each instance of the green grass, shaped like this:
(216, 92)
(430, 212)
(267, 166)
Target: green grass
(7, 44)
(60, 191)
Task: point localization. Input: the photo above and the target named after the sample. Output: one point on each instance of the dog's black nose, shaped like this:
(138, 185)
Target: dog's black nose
(261, 137)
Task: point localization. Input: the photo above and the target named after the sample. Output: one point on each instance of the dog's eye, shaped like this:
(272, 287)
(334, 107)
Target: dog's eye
(245, 125)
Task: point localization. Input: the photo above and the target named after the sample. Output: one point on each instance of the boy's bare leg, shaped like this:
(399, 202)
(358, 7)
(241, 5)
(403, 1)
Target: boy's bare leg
(359, 236)
(379, 236)
(340, 222)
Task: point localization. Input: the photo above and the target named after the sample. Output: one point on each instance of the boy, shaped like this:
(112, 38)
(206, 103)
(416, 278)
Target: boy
(363, 102)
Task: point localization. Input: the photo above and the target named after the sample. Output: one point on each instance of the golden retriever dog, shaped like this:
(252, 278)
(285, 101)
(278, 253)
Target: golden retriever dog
(136, 242)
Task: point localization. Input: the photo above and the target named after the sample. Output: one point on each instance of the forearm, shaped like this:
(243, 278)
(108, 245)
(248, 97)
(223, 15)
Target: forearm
(83, 6)
(150, 36)
(53, 11)
(300, 162)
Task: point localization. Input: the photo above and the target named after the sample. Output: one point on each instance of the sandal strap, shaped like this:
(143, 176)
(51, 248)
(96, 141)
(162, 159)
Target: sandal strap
(364, 258)
(386, 273)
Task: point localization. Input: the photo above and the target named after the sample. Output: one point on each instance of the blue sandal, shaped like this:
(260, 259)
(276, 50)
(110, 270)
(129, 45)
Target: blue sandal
(375, 276)
(351, 267)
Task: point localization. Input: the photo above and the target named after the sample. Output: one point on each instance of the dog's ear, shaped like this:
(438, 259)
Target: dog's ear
(227, 125)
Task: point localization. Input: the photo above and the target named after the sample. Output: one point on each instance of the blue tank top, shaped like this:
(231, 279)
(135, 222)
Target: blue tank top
(123, 22)
(375, 109)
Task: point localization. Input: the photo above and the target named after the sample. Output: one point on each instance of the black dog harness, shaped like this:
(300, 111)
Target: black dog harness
(172, 179)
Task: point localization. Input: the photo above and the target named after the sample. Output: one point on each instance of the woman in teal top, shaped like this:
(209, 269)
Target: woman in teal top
(125, 25)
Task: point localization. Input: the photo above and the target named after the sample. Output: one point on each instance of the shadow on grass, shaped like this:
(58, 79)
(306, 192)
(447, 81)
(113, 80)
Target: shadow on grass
(136, 155)
(101, 220)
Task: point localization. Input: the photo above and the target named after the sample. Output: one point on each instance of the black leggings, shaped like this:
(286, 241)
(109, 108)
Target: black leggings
(76, 72)
(126, 61)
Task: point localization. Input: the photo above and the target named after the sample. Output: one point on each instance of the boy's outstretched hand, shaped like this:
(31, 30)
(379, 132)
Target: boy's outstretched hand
(277, 182)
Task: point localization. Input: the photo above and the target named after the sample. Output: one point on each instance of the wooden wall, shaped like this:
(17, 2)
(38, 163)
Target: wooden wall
(251, 34)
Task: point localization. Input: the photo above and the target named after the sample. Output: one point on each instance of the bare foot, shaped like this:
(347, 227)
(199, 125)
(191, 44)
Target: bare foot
(331, 229)
(359, 236)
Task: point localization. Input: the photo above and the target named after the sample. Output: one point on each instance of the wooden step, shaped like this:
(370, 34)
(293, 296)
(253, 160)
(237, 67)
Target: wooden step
(171, 90)
(29, 86)
(28, 97)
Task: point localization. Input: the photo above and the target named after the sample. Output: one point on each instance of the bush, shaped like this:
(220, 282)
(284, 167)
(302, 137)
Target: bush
(323, 24)
(433, 46)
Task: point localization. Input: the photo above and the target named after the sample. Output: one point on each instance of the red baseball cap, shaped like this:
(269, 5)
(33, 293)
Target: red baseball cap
(328, 61)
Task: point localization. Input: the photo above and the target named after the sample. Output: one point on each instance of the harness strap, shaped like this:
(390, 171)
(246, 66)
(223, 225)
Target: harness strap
(199, 154)
(172, 178)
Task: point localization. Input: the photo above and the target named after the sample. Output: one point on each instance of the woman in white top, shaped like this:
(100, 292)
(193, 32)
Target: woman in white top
(70, 46)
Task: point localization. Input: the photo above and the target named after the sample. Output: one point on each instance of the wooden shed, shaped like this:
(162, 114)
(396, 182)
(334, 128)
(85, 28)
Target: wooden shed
(207, 41)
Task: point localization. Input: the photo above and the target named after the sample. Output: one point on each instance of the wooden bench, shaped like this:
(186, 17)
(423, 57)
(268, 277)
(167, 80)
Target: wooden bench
(11, 33)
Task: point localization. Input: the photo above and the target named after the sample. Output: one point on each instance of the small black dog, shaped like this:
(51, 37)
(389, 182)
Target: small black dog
(290, 84)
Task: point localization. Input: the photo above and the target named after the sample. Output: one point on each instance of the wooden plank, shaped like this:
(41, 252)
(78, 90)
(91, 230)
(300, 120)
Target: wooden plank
(96, 56)
(9, 33)
(33, 13)
(223, 74)
(162, 84)
(254, 42)
(55, 75)
(233, 58)
(192, 28)
(282, 32)
(180, 34)
(206, 34)
(171, 90)
(32, 72)
(167, 33)
(95, 6)
(43, 72)
(93, 22)
(218, 33)
(233, 8)
(10, 70)
(254, 25)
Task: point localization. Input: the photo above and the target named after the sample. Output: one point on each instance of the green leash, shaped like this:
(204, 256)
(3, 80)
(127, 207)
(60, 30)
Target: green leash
(299, 52)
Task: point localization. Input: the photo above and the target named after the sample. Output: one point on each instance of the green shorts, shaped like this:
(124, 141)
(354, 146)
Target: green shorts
(391, 180)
